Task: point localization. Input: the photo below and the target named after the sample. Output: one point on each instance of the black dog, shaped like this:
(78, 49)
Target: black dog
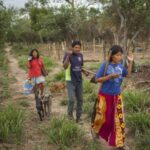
(39, 104)
(47, 102)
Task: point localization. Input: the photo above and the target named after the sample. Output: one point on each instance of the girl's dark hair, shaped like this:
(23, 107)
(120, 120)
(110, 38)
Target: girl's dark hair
(76, 42)
(114, 50)
(31, 52)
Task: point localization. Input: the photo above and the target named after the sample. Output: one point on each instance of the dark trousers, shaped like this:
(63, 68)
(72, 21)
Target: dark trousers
(75, 93)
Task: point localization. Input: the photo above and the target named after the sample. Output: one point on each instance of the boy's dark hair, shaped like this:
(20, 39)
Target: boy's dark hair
(31, 52)
(76, 42)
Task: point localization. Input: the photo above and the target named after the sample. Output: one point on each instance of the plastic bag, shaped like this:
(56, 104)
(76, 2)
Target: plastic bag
(28, 87)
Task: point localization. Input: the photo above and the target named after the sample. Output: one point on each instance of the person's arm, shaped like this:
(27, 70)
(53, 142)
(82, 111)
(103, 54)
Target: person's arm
(106, 78)
(130, 60)
(29, 62)
(42, 63)
(100, 74)
(66, 62)
(84, 71)
(67, 59)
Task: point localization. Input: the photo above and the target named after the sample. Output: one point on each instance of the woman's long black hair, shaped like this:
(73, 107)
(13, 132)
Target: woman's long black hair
(31, 53)
(114, 50)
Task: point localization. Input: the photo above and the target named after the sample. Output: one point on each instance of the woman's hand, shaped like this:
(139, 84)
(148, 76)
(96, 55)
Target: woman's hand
(114, 75)
(130, 58)
(29, 58)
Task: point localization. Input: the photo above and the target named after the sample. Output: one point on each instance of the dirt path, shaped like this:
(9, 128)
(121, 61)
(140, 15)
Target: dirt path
(34, 138)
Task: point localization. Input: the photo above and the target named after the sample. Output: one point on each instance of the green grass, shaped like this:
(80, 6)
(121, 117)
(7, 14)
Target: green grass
(4, 79)
(88, 87)
(143, 142)
(136, 101)
(60, 76)
(49, 63)
(93, 146)
(63, 133)
(93, 66)
(138, 122)
(137, 104)
(24, 103)
(90, 97)
(88, 108)
(20, 49)
(22, 60)
(11, 124)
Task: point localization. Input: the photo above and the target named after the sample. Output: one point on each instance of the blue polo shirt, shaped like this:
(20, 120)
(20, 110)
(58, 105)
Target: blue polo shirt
(74, 69)
(112, 86)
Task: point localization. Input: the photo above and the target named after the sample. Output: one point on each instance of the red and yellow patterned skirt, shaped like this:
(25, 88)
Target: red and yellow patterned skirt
(109, 120)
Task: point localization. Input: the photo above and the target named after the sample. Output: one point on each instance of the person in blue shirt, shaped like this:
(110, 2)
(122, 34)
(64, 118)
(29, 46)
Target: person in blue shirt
(73, 63)
(109, 120)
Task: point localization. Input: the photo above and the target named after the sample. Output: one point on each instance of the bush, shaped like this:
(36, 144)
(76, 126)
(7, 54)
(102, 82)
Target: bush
(63, 133)
(11, 123)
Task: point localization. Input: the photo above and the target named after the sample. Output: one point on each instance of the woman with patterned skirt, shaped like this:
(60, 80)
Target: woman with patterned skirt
(109, 121)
